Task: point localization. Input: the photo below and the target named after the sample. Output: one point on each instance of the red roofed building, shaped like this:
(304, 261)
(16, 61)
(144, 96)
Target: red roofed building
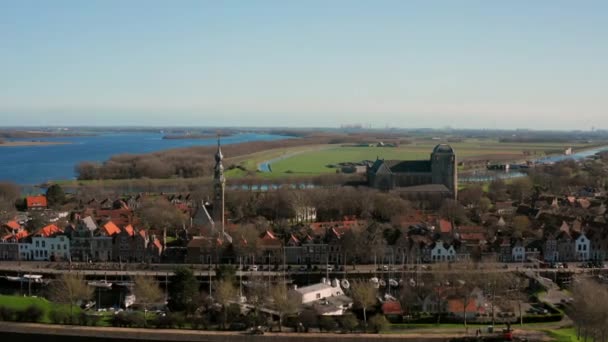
(270, 247)
(445, 226)
(49, 231)
(36, 202)
(12, 225)
(110, 229)
(15, 236)
(457, 307)
(392, 307)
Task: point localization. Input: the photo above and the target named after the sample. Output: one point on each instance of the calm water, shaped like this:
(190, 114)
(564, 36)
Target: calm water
(28, 165)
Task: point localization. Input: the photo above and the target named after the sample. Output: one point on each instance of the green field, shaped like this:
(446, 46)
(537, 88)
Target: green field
(20, 303)
(317, 161)
(564, 335)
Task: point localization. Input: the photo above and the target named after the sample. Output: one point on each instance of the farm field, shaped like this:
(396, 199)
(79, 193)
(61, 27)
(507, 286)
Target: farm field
(317, 161)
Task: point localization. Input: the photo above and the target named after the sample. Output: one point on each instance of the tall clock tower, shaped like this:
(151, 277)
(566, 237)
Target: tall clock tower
(219, 185)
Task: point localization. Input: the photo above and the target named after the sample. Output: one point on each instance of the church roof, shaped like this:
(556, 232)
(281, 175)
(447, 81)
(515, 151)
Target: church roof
(425, 188)
(406, 166)
(402, 166)
(443, 148)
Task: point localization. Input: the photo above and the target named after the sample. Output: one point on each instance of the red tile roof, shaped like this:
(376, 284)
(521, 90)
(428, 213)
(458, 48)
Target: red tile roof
(472, 236)
(14, 225)
(158, 244)
(49, 230)
(18, 236)
(392, 308)
(36, 201)
(294, 240)
(111, 229)
(268, 235)
(457, 305)
(445, 226)
(129, 230)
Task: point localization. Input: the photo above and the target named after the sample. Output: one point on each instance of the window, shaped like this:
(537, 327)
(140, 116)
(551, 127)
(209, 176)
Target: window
(43, 243)
(37, 244)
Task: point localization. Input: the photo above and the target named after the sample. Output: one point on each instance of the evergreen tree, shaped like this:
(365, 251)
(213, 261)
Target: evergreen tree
(183, 290)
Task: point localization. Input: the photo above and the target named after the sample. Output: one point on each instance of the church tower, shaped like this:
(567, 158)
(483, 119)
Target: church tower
(219, 185)
(444, 169)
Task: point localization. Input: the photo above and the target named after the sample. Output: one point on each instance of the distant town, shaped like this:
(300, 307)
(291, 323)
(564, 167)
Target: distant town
(404, 244)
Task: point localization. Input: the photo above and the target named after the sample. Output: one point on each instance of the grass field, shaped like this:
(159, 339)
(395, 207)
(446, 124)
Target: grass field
(564, 335)
(20, 303)
(316, 161)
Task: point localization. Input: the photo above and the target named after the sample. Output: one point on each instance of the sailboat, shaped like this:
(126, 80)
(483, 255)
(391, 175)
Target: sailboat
(103, 284)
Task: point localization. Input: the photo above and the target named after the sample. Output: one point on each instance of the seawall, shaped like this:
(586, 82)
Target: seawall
(31, 332)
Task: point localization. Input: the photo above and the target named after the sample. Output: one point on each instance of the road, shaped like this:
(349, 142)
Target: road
(119, 270)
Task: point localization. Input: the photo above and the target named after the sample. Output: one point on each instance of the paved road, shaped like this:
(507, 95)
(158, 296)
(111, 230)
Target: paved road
(115, 269)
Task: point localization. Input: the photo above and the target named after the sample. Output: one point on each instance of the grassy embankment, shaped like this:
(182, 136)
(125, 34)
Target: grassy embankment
(564, 335)
(20, 303)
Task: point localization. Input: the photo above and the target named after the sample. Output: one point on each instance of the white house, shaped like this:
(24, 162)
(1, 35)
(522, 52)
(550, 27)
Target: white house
(442, 252)
(322, 290)
(46, 248)
(326, 298)
(582, 247)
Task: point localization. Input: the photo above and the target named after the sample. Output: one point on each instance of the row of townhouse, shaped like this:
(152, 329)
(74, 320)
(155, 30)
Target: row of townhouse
(84, 241)
(48, 243)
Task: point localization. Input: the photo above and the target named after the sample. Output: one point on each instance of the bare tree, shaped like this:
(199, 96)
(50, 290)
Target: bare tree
(364, 294)
(160, 213)
(9, 193)
(146, 292)
(588, 310)
(283, 302)
(225, 292)
(70, 288)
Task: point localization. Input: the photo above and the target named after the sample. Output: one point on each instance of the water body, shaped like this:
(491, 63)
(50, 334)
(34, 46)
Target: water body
(29, 165)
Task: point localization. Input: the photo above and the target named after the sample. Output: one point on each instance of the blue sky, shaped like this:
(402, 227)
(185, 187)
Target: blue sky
(480, 64)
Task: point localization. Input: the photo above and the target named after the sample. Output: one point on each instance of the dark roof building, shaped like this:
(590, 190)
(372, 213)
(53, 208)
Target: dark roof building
(436, 175)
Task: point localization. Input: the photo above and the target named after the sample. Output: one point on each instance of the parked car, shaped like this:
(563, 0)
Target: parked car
(303, 268)
(253, 268)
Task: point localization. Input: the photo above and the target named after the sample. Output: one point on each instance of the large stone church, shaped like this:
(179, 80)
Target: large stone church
(436, 175)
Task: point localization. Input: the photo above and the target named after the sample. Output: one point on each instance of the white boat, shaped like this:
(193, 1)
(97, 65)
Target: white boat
(125, 284)
(375, 282)
(129, 300)
(27, 278)
(345, 284)
(393, 283)
(104, 284)
(382, 283)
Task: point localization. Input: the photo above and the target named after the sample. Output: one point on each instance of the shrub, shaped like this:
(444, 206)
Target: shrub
(88, 320)
(200, 322)
(177, 319)
(128, 319)
(327, 323)
(309, 319)
(59, 316)
(7, 314)
(30, 314)
(378, 323)
(349, 322)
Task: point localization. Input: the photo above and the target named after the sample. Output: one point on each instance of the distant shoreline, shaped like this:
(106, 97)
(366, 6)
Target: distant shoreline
(32, 143)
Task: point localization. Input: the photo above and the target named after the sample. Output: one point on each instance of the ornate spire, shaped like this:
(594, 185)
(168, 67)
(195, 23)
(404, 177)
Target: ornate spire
(218, 155)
